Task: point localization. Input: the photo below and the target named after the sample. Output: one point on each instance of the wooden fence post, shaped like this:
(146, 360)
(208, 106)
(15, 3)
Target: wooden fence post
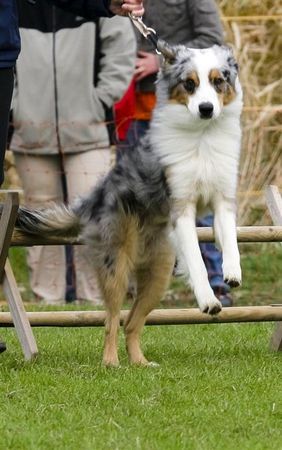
(10, 288)
(274, 204)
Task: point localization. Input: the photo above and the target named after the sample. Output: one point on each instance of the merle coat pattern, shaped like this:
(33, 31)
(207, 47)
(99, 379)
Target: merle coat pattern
(187, 162)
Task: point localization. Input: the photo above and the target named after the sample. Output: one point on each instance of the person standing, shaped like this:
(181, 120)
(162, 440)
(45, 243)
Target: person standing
(10, 45)
(194, 23)
(10, 48)
(61, 100)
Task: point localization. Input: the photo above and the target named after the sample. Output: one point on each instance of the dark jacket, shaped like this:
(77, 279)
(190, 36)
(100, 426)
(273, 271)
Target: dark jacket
(9, 32)
(89, 9)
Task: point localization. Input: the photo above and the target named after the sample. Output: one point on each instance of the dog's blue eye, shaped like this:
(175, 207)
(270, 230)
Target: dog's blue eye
(189, 85)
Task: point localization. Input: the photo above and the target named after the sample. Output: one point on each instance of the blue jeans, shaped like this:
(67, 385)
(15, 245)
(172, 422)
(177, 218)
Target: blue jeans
(211, 255)
(136, 130)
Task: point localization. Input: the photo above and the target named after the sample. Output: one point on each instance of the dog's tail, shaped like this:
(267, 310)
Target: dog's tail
(58, 220)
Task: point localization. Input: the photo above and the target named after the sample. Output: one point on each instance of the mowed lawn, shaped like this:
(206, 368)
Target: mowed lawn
(217, 386)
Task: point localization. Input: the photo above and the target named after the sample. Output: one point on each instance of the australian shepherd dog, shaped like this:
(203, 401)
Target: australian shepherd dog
(144, 211)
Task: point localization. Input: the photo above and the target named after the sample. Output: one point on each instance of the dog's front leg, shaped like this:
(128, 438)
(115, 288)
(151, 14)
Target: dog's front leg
(225, 231)
(188, 246)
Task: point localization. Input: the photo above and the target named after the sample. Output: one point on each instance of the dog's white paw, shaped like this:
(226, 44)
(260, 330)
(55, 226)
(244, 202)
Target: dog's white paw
(232, 275)
(210, 305)
(153, 364)
(143, 362)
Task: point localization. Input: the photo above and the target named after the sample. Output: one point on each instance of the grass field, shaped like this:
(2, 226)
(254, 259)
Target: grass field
(217, 386)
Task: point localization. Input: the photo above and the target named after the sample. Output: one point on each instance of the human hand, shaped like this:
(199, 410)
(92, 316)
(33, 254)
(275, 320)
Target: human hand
(146, 64)
(124, 7)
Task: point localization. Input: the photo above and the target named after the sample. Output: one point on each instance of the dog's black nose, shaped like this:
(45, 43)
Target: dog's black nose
(206, 110)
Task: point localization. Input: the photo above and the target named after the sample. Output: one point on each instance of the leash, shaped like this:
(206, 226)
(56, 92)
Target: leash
(149, 33)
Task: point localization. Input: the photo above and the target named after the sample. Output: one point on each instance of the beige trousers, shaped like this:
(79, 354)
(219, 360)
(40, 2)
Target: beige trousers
(41, 181)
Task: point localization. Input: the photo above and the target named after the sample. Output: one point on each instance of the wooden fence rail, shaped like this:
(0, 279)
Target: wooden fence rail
(205, 234)
(157, 317)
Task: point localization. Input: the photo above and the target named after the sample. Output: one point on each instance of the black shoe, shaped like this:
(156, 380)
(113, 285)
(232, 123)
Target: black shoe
(226, 300)
(2, 347)
(224, 297)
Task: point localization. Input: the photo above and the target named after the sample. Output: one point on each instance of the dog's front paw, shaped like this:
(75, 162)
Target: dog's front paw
(211, 306)
(232, 276)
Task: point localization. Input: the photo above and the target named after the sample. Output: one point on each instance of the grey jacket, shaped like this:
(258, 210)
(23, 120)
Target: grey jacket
(194, 23)
(63, 85)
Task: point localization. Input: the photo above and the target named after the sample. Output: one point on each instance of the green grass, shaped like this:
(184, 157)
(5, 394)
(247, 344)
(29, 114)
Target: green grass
(217, 386)
(262, 281)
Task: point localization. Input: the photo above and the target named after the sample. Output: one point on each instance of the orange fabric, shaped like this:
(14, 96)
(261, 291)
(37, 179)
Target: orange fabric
(134, 105)
(144, 105)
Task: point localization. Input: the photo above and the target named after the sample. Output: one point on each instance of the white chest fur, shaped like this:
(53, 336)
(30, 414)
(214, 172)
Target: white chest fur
(200, 157)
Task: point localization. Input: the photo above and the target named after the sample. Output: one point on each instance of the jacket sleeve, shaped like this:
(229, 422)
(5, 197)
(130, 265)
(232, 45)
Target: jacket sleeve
(117, 59)
(205, 23)
(89, 9)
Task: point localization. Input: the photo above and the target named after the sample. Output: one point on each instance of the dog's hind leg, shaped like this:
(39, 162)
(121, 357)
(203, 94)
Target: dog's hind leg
(113, 276)
(113, 282)
(152, 282)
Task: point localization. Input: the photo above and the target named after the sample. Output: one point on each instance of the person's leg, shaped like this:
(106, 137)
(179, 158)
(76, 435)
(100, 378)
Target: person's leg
(136, 130)
(40, 176)
(83, 171)
(6, 90)
(213, 261)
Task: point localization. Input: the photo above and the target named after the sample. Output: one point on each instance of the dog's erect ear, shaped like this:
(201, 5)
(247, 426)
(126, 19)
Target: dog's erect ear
(168, 52)
(231, 68)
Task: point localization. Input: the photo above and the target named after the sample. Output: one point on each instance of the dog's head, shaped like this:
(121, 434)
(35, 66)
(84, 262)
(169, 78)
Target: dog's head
(204, 80)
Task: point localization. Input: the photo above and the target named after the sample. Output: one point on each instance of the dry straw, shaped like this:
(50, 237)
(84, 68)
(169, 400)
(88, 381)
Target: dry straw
(254, 30)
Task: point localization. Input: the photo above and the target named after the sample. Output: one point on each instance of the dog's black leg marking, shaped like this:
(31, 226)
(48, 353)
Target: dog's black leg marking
(232, 283)
(214, 310)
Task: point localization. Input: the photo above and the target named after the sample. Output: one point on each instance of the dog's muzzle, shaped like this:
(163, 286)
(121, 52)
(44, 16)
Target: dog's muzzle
(206, 110)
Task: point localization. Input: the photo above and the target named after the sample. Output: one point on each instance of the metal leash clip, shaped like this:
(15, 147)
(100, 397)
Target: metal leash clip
(147, 32)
